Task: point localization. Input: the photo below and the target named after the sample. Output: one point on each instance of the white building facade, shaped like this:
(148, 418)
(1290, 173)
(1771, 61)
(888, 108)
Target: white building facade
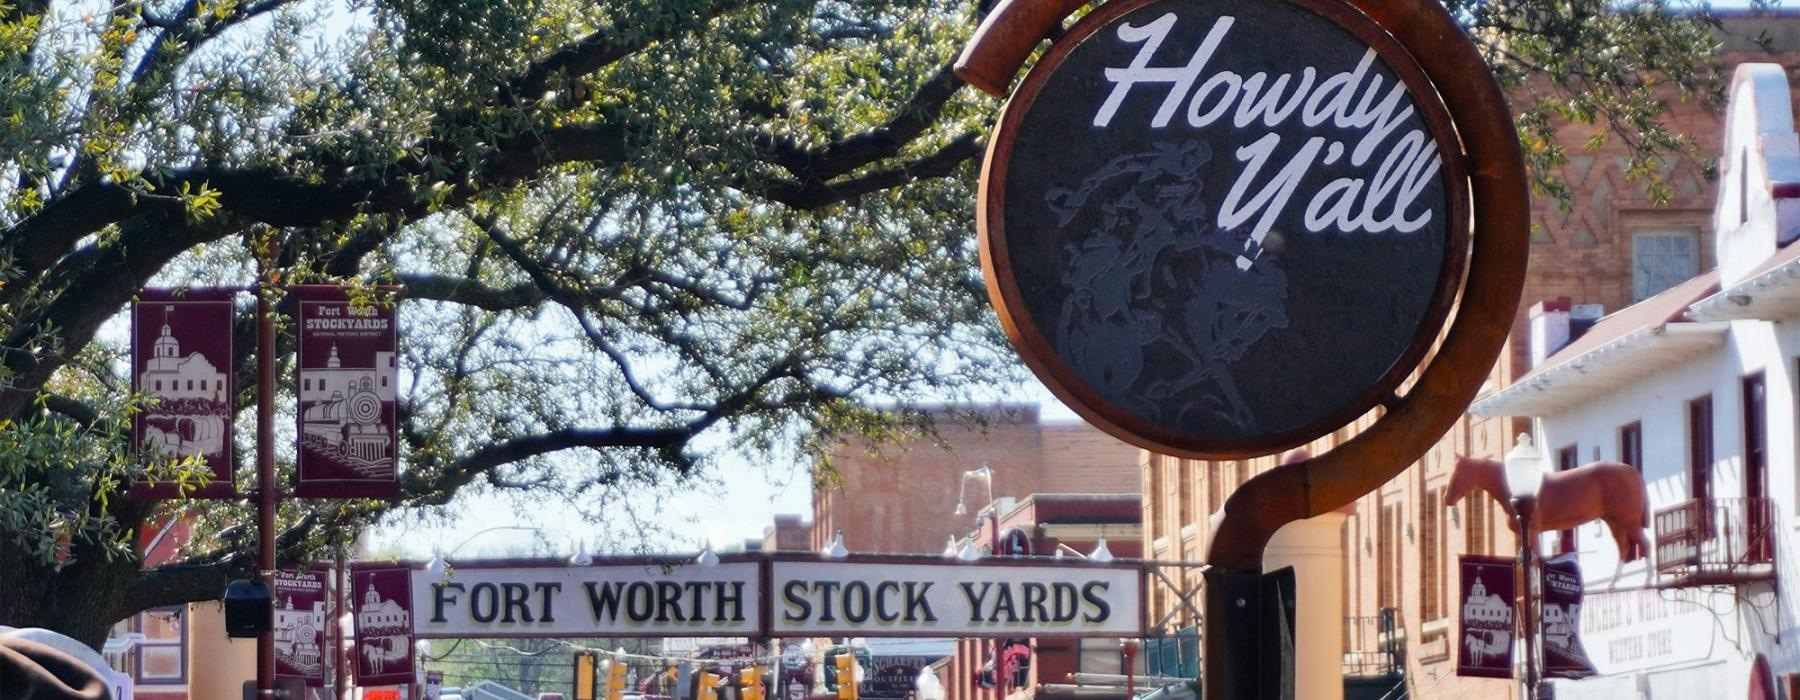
(1697, 388)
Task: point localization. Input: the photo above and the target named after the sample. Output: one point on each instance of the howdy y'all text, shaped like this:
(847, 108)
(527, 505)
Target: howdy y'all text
(1388, 199)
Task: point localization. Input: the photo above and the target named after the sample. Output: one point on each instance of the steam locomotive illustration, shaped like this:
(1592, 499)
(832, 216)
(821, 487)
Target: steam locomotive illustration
(345, 412)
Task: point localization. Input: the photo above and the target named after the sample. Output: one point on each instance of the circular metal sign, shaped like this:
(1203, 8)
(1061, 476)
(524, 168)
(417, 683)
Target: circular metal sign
(1224, 228)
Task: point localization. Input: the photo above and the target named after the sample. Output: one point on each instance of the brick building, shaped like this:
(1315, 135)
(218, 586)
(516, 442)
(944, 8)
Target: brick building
(790, 532)
(901, 497)
(1398, 545)
(1046, 484)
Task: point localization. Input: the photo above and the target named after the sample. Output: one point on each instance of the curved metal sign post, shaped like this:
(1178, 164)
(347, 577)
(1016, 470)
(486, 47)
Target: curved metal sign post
(1224, 229)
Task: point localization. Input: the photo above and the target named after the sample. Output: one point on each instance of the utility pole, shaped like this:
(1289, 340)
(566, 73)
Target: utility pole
(265, 469)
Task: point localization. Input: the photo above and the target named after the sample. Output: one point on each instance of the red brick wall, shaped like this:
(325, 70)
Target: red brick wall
(903, 497)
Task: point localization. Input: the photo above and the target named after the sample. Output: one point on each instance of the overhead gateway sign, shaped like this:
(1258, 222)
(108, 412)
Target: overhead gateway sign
(646, 599)
(871, 596)
(916, 599)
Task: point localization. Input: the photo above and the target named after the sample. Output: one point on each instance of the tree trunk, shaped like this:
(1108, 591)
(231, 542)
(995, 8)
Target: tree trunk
(80, 600)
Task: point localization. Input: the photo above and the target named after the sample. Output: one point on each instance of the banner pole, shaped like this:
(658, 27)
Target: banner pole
(265, 480)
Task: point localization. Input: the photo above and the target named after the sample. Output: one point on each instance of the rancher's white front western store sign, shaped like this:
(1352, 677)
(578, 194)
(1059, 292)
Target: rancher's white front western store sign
(870, 596)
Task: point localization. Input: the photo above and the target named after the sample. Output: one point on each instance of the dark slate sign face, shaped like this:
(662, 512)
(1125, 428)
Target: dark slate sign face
(1224, 227)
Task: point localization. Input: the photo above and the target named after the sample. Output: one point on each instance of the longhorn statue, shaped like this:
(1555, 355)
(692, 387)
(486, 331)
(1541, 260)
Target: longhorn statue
(1609, 491)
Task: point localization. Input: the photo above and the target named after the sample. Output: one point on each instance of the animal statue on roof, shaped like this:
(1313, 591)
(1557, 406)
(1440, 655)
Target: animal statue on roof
(1612, 492)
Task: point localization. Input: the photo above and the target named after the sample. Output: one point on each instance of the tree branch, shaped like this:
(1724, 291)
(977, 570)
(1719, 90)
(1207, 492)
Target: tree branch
(469, 292)
(203, 577)
(908, 123)
(443, 484)
(599, 50)
(814, 194)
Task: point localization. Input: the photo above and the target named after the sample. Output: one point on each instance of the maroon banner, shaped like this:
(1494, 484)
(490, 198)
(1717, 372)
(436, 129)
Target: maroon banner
(300, 610)
(347, 373)
(384, 641)
(1487, 618)
(1560, 617)
(181, 357)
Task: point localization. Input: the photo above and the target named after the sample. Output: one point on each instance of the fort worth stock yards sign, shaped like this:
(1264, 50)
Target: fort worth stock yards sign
(1224, 228)
(876, 596)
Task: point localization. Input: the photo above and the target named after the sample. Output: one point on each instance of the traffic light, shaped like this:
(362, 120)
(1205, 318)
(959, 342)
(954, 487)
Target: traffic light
(615, 679)
(750, 683)
(584, 675)
(708, 686)
(845, 673)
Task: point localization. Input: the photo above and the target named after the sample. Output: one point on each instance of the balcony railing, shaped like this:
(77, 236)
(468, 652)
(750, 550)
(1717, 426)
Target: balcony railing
(1373, 645)
(1716, 541)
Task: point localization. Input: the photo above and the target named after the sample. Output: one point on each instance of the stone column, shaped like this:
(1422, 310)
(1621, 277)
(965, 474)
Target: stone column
(1314, 548)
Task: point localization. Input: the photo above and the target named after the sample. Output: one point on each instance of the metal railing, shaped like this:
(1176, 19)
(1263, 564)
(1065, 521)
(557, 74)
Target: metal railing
(1373, 645)
(1721, 540)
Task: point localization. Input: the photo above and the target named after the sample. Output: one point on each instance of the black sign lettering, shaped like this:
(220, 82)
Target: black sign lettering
(549, 589)
(668, 601)
(1003, 605)
(881, 601)
(918, 608)
(640, 601)
(1064, 600)
(1035, 595)
(488, 595)
(974, 598)
(1094, 594)
(442, 597)
(603, 599)
(733, 601)
(798, 607)
(856, 601)
(825, 589)
(516, 594)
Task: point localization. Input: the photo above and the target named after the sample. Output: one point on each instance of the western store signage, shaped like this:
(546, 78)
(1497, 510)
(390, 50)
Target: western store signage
(892, 596)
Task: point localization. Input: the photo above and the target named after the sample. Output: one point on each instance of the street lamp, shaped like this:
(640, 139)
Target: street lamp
(984, 475)
(438, 566)
(1524, 477)
(835, 548)
(1102, 554)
